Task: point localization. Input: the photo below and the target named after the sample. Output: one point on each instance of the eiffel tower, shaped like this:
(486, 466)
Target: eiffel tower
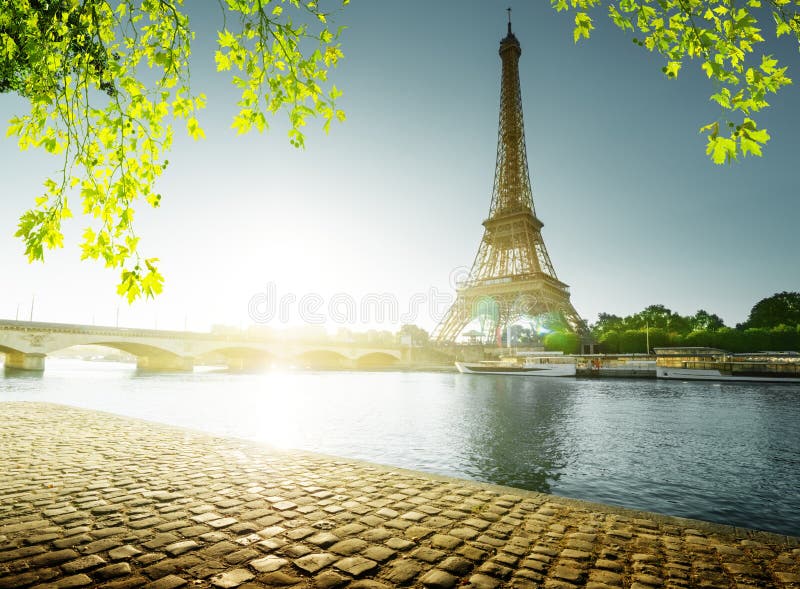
(512, 275)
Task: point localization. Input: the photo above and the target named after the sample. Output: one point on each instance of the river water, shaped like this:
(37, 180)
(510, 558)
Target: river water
(728, 453)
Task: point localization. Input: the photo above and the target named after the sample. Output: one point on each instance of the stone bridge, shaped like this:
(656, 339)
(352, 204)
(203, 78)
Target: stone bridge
(26, 344)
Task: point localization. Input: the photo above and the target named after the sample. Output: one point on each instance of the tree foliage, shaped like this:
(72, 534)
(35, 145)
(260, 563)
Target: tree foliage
(657, 317)
(76, 42)
(782, 308)
(106, 82)
(723, 36)
(635, 341)
(417, 335)
(563, 341)
(705, 321)
(774, 324)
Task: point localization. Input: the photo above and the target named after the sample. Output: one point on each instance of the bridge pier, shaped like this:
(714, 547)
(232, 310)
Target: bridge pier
(164, 363)
(22, 361)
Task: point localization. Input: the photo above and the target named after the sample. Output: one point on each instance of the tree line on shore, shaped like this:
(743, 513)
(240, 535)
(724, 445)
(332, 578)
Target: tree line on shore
(773, 324)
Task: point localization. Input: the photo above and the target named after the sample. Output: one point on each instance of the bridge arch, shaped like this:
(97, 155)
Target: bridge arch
(132, 348)
(149, 357)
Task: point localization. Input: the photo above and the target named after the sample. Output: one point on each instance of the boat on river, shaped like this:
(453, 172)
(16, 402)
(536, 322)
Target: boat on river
(714, 364)
(549, 365)
(616, 365)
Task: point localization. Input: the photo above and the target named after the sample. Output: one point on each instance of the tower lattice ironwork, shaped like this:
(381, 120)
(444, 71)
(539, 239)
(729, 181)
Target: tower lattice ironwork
(512, 275)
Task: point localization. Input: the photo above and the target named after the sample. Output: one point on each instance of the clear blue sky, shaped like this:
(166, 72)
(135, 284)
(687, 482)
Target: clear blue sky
(392, 200)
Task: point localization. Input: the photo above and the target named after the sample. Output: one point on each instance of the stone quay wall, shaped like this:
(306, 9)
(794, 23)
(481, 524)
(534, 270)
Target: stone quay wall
(92, 499)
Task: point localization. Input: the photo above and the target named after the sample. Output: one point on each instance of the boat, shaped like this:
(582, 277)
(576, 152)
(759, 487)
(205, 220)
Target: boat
(617, 365)
(714, 364)
(549, 365)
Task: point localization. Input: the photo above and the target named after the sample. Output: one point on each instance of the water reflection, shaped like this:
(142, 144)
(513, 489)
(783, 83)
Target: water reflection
(16, 373)
(516, 430)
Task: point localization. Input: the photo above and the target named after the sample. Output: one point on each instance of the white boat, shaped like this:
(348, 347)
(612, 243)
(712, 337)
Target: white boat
(714, 364)
(552, 365)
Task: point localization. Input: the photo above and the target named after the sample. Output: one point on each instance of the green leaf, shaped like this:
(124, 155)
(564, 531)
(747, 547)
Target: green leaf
(750, 147)
(194, 129)
(226, 39)
(721, 149)
(672, 68)
(583, 26)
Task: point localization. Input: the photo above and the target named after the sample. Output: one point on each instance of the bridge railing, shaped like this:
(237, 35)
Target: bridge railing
(99, 330)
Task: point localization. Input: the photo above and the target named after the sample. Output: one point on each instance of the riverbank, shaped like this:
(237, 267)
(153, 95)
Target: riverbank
(89, 498)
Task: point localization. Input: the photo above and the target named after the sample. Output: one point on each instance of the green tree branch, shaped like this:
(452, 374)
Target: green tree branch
(85, 68)
(723, 35)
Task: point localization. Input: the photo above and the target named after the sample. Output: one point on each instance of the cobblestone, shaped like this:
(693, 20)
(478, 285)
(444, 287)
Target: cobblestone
(123, 504)
(402, 571)
(168, 582)
(356, 565)
(312, 563)
(83, 564)
(120, 569)
(269, 564)
(232, 578)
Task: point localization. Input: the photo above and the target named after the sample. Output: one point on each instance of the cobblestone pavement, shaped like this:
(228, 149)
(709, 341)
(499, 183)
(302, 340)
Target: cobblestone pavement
(91, 499)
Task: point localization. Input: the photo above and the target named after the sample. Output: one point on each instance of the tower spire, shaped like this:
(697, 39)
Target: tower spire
(512, 184)
(512, 271)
